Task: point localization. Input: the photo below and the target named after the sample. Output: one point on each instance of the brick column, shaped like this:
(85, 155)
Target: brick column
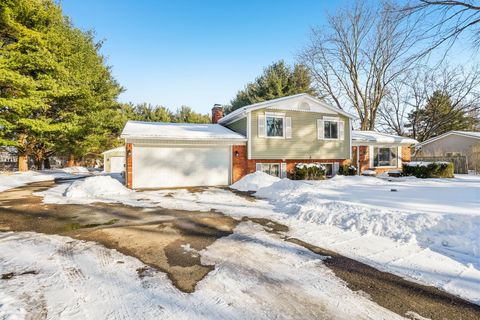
(128, 165)
(239, 162)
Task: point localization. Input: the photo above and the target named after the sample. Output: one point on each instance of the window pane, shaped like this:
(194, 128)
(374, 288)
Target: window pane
(331, 129)
(275, 170)
(384, 157)
(274, 127)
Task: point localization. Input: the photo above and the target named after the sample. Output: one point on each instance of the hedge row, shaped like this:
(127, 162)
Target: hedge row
(428, 169)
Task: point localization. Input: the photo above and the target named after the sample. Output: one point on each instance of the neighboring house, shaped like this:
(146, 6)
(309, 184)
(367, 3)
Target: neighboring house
(451, 144)
(380, 152)
(114, 160)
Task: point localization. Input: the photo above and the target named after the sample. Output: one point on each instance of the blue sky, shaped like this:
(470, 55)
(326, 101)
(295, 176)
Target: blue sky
(195, 53)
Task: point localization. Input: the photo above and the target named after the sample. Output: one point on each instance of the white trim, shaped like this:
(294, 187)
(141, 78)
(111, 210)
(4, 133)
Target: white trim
(350, 138)
(332, 119)
(372, 154)
(249, 135)
(274, 115)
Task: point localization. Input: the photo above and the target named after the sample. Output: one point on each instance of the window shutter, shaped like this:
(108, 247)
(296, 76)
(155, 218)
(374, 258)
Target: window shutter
(320, 129)
(258, 167)
(341, 130)
(283, 170)
(261, 125)
(288, 127)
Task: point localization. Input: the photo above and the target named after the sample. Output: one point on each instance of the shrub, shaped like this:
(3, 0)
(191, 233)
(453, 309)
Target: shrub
(428, 169)
(347, 170)
(308, 171)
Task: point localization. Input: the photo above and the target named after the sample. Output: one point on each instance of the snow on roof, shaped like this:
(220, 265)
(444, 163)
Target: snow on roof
(469, 134)
(178, 131)
(118, 149)
(380, 137)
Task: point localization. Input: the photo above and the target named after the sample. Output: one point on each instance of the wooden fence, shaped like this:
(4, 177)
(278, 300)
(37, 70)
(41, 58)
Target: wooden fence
(459, 162)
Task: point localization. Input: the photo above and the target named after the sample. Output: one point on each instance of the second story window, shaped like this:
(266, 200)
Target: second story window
(330, 129)
(274, 126)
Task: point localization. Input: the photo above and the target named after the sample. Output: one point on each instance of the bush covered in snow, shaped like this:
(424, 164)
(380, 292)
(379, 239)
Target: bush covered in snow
(347, 170)
(428, 169)
(309, 171)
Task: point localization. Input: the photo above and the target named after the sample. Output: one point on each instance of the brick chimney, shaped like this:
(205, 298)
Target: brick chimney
(217, 113)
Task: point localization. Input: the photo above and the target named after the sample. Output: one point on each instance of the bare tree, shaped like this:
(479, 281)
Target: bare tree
(446, 20)
(358, 54)
(399, 112)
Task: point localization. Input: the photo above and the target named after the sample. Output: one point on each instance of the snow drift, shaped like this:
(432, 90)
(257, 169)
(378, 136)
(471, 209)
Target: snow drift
(367, 205)
(96, 187)
(254, 181)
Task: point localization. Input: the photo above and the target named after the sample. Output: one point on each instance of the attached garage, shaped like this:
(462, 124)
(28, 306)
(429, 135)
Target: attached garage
(171, 155)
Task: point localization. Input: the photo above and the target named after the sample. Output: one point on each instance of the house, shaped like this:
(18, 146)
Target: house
(271, 136)
(451, 144)
(114, 160)
(380, 152)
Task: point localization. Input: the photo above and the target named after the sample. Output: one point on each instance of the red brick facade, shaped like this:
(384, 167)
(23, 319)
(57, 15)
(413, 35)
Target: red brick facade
(364, 159)
(128, 165)
(241, 166)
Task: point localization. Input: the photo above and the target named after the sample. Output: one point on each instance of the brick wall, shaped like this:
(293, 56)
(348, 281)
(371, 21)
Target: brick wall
(239, 162)
(128, 163)
(241, 166)
(364, 158)
(406, 154)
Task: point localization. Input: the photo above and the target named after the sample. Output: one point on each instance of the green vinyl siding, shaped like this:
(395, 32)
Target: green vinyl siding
(239, 126)
(304, 143)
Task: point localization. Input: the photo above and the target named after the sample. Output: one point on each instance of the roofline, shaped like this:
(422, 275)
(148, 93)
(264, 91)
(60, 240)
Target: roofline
(443, 135)
(237, 114)
(181, 139)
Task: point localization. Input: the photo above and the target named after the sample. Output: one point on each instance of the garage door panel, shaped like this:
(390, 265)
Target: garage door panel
(163, 167)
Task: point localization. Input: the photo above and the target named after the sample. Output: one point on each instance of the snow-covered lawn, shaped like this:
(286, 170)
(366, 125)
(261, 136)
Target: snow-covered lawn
(18, 179)
(423, 230)
(82, 280)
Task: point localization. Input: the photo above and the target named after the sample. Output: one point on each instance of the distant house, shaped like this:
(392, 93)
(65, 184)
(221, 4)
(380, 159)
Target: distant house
(8, 159)
(114, 160)
(380, 152)
(451, 144)
(271, 136)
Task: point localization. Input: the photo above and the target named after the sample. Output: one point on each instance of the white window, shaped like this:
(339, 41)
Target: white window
(272, 169)
(330, 129)
(385, 156)
(274, 126)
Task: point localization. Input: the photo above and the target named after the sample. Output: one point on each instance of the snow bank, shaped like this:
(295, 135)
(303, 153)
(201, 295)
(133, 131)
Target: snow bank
(96, 187)
(254, 181)
(441, 215)
(18, 179)
(75, 170)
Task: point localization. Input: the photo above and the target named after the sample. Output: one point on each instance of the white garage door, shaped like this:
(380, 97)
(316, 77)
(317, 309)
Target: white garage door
(165, 167)
(117, 164)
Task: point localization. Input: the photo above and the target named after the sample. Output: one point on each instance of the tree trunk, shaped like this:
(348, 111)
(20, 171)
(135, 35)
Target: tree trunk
(71, 161)
(46, 163)
(23, 162)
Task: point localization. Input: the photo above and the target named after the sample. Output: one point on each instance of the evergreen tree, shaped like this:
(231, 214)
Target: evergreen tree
(278, 80)
(437, 117)
(185, 114)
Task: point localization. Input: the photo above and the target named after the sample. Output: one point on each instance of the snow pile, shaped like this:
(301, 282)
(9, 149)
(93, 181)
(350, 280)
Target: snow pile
(254, 181)
(96, 187)
(310, 165)
(17, 179)
(75, 170)
(368, 206)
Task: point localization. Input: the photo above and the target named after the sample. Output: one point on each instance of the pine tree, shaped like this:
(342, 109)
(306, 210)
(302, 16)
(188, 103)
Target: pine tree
(278, 80)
